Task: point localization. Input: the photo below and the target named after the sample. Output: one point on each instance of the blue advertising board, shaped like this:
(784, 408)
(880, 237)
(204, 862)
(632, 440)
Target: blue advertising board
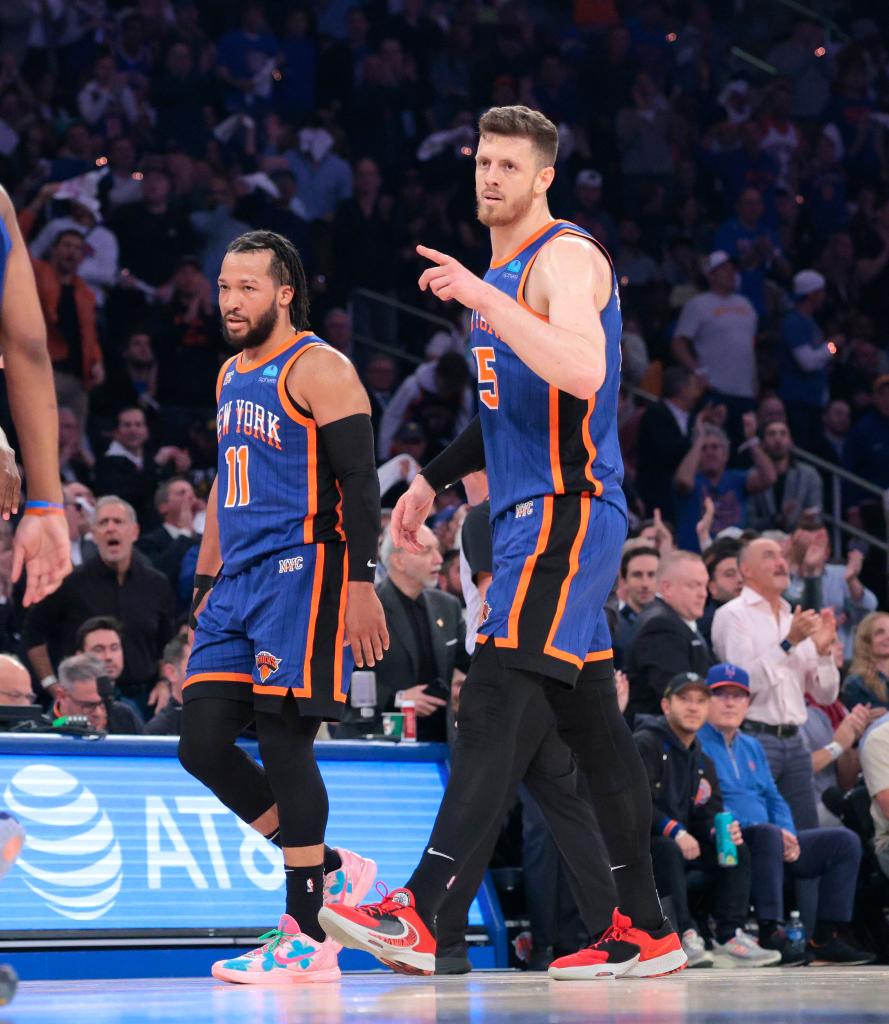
(121, 838)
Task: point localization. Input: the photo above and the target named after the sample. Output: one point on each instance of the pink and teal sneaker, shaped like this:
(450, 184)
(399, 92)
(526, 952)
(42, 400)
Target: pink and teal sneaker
(286, 957)
(351, 882)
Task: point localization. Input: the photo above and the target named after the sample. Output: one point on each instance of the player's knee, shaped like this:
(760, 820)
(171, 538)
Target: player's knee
(200, 754)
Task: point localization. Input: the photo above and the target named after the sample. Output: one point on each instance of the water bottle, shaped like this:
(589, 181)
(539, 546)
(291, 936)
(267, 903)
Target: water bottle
(796, 936)
(726, 850)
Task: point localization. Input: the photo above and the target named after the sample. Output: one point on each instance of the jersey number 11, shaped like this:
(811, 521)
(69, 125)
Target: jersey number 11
(237, 492)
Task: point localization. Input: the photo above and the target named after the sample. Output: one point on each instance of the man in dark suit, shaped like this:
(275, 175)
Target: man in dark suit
(667, 640)
(165, 547)
(664, 439)
(426, 639)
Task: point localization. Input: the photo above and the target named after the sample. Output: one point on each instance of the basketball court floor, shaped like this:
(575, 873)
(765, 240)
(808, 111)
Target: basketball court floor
(790, 996)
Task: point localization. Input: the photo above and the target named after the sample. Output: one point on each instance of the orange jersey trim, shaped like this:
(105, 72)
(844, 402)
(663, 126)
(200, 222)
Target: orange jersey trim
(243, 367)
(525, 244)
(573, 568)
(220, 377)
(512, 632)
(293, 413)
(591, 449)
(599, 655)
(555, 458)
(218, 677)
(338, 693)
(306, 689)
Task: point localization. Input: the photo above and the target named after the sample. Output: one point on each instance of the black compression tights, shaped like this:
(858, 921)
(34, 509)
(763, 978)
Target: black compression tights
(289, 777)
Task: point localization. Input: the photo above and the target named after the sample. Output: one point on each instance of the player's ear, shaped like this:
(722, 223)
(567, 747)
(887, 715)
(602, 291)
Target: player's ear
(544, 179)
(286, 294)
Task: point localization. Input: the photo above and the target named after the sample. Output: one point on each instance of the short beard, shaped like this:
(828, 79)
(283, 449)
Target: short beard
(258, 334)
(501, 218)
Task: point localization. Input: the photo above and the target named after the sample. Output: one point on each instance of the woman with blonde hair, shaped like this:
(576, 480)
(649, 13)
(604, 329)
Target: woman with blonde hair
(868, 680)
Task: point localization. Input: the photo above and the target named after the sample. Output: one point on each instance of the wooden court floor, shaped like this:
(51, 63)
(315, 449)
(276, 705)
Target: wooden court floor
(810, 995)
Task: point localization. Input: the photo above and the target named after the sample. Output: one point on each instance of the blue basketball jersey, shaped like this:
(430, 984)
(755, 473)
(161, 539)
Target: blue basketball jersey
(275, 487)
(540, 440)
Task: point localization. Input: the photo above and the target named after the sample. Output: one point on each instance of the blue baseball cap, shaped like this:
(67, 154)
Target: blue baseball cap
(726, 674)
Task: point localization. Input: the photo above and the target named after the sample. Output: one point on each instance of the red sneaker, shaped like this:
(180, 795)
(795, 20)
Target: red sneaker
(624, 951)
(392, 931)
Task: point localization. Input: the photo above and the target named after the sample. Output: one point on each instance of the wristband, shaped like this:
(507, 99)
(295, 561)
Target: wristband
(836, 750)
(44, 508)
(203, 584)
(47, 681)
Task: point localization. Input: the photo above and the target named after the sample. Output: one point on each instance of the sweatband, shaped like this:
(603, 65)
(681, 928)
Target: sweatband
(464, 455)
(349, 444)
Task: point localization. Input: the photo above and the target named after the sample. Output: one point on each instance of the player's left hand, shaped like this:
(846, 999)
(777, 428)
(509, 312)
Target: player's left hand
(365, 625)
(41, 546)
(449, 279)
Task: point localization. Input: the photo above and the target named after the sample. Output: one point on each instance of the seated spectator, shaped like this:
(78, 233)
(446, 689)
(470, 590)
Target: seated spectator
(875, 767)
(165, 547)
(116, 582)
(128, 468)
(868, 679)
(379, 379)
(686, 798)
(788, 654)
(15, 682)
(438, 397)
(797, 488)
(665, 437)
(817, 583)
(426, 638)
(667, 641)
(168, 720)
(704, 473)
(130, 385)
(830, 444)
(804, 357)
(80, 692)
(637, 588)
(76, 461)
(866, 448)
(80, 510)
(69, 308)
(778, 850)
(721, 563)
(831, 734)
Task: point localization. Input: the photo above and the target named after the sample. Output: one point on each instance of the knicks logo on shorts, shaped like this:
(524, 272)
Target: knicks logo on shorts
(267, 664)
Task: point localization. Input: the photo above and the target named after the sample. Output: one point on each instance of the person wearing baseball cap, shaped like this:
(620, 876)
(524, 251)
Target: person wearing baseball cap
(778, 851)
(804, 358)
(685, 799)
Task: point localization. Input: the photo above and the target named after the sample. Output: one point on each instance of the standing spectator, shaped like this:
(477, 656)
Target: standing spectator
(153, 234)
(809, 71)
(721, 562)
(130, 470)
(106, 94)
(804, 359)
(69, 308)
(817, 583)
(76, 461)
(80, 508)
(323, 178)
(666, 641)
(875, 766)
(686, 797)
(637, 588)
(665, 438)
(836, 422)
(643, 138)
(779, 848)
(215, 226)
(168, 720)
(787, 655)
(716, 334)
(114, 583)
(866, 449)
(704, 473)
(130, 384)
(797, 489)
(167, 545)
(245, 60)
(868, 679)
(589, 211)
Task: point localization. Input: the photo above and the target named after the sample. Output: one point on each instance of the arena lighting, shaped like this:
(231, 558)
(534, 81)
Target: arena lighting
(465, 151)
(671, 37)
(101, 161)
(136, 175)
(820, 52)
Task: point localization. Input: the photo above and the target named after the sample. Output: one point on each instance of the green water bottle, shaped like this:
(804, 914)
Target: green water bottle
(726, 850)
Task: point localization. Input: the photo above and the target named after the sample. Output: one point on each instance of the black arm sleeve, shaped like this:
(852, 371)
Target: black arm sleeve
(464, 455)
(349, 444)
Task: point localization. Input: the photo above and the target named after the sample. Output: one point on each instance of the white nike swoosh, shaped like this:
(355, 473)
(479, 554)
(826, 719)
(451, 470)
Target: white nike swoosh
(371, 565)
(617, 867)
(435, 853)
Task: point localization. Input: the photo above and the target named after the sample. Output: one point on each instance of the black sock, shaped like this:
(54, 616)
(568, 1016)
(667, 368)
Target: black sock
(638, 895)
(332, 860)
(430, 882)
(305, 891)
(824, 931)
(767, 929)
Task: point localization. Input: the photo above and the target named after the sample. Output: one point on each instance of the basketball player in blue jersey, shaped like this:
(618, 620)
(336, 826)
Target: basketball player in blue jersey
(546, 340)
(41, 544)
(284, 600)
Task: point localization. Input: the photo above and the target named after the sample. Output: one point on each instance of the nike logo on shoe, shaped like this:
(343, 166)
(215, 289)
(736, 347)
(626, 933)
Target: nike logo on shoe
(435, 853)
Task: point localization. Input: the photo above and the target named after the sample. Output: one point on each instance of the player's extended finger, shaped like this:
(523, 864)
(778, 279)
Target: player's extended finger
(384, 637)
(377, 644)
(433, 254)
(368, 650)
(357, 653)
(18, 562)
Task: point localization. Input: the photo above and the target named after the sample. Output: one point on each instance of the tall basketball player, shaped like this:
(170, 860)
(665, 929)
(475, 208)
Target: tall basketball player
(284, 599)
(545, 333)
(41, 544)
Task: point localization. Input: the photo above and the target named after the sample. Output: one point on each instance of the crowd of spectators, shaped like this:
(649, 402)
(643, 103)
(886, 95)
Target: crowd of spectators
(734, 158)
